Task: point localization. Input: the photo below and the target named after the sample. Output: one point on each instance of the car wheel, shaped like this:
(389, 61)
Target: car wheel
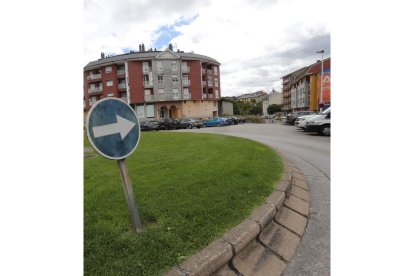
(189, 126)
(325, 130)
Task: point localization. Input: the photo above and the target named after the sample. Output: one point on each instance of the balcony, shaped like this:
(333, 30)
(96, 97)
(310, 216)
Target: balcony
(148, 84)
(94, 76)
(149, 98)
(204, 83)
(186, 82)
(209, 72)
(210, 83)
(146, 70)
(187, 96)
(95, 89)
(122, 85)
(167, 97)
(210, 96)
(185, 69)
(120, 72)
(203, 70)
(204, 96)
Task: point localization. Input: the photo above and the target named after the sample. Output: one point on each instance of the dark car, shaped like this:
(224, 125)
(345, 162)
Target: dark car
(149, 125)
(169, 123)
(291, 117)
(190, 123)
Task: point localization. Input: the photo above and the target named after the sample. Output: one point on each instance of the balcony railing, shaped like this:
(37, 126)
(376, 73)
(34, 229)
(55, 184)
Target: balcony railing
(149, 98)
(210, 83)
(121, 85)
(95, 89)
(148, 83)
(185, 69)
(210, 96)
(186, 96)
(186, 82)
(204, 83)
(94, 76)
(209, 72)
(120, 72)
(146, 69)
(204, 96)
(167, 97)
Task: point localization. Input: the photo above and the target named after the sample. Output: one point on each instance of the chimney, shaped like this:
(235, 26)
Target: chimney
(140, 48)
(170, 46)
(102, 55)
(143, 47)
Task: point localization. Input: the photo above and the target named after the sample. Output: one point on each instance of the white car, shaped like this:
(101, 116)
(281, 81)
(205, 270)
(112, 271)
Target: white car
(301, 121)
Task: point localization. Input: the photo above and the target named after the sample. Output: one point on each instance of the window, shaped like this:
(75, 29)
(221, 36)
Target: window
(175, 79)
(215, 81)
(174, 66)
(160, 79)
(109, 83)
(175, 92)
(147, 92)
(185, 80)
(108, 69)
(215, 70)
(160, 90)
(145, 66)
(159, 65)
(217, 93)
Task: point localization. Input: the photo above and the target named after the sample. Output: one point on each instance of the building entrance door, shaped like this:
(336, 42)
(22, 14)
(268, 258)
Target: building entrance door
(163, 112)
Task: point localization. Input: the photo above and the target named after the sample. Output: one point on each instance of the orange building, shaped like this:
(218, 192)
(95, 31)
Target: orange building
(314, 73)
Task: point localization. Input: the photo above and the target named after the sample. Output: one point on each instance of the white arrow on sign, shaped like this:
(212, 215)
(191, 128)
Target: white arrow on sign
(122, 126)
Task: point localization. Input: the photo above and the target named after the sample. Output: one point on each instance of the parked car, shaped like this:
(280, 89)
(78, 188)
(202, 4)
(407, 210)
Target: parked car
(169, 123)
(320, 123)
(301, 121)
(214, 122)
(190, 123)
(291, 117)
(149, 125)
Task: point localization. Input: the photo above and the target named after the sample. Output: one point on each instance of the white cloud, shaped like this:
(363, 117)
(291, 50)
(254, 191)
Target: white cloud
(256, 42)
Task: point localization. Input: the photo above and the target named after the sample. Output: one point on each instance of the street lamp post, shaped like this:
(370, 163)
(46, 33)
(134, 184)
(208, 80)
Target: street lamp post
(320, 96)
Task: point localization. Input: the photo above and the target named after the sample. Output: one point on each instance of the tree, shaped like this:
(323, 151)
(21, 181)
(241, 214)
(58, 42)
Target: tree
(273, 108)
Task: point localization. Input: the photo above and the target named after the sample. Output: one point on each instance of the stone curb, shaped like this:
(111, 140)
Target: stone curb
(223, 255)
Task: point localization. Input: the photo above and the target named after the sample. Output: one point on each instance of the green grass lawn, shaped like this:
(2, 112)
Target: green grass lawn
(190, 189)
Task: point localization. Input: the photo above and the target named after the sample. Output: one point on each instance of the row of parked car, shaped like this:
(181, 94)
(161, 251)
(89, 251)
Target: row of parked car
(189, 123)
(311, 121)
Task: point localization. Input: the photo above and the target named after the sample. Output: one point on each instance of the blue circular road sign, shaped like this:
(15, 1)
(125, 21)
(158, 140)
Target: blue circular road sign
(113, 128)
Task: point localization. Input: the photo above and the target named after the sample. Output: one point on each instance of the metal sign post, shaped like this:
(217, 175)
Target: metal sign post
(129, 195)
(113, 130)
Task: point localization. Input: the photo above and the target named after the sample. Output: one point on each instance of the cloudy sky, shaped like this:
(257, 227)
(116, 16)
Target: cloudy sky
(256, 42)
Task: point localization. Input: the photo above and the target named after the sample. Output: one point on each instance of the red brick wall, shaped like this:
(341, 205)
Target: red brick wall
(195, 77)
(109, 76)
(136, 84)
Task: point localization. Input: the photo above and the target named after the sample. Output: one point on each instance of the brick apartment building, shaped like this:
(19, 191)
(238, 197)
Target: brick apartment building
(157, 84)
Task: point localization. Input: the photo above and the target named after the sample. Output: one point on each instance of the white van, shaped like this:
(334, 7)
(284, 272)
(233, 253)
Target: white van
(320, 123)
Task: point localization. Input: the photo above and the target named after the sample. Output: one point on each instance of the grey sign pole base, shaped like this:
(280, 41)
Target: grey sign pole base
(129, 194)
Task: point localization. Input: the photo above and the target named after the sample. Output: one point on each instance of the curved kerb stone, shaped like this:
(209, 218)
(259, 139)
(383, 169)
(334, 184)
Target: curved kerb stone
(265, 242)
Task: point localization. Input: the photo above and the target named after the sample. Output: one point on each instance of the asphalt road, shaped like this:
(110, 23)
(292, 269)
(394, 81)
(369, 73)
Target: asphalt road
(311, 154)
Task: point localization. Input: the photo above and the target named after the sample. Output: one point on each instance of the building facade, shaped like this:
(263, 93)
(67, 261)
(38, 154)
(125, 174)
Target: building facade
(255, 97)
(157, 84)
(272, 98)
(302, 88)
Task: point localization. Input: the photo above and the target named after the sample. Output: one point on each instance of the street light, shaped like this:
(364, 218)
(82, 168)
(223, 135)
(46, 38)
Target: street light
(320, 96)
